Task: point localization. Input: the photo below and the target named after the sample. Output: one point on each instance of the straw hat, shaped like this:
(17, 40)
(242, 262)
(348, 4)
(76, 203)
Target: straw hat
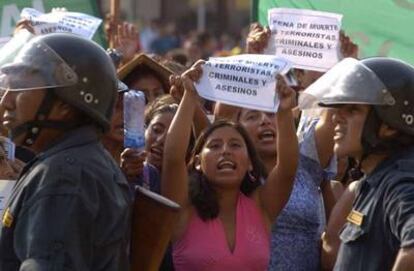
(144, 60)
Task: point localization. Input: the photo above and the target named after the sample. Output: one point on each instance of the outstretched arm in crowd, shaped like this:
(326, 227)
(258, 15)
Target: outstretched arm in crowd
(174, 181)
(200, 121)
(275, 193)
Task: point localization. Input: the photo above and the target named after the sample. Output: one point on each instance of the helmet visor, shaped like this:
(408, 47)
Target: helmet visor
(36, 66)
(348, 82)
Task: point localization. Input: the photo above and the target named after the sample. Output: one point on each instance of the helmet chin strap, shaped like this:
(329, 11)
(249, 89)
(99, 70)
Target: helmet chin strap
(370, 142)
(33, 128)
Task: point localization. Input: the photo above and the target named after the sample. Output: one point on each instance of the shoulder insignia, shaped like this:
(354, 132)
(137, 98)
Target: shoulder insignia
(7, 218)
(355, 217)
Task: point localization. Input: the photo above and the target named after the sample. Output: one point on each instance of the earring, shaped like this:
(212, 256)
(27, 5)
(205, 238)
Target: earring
(251, 176)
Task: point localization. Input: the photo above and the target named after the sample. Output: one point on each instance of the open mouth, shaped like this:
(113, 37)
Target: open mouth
(267, 135)
(226, 165)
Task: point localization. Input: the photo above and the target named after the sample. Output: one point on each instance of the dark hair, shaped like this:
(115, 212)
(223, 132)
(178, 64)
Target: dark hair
(142, 71)
(201, 193)
(162, 104)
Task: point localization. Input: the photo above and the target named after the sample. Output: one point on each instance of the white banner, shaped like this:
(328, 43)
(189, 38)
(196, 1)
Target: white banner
(309, 39)
(62, 21)
(6, 187)
(243, 80)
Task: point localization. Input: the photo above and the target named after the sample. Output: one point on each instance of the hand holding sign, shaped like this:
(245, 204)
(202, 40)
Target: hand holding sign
(24, 24)
(287, 95)
(61, 21)
(244, 80)
(191, 76)
(257, 39)
(348, 48)
(307, 38)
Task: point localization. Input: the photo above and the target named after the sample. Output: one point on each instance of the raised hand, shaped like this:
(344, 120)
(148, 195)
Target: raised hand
(257, 39)
(287, 95)
(126, 40)
(192, 75)
(348, 48)
(24, 24)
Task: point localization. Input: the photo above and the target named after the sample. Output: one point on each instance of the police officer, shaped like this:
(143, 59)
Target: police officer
(70, 207)
(374, 118)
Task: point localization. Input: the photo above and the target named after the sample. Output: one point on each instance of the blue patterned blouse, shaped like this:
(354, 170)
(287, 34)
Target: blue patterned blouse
(295, 244)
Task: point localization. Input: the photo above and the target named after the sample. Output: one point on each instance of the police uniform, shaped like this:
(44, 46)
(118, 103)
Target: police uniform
(70, 210)
(382, 219)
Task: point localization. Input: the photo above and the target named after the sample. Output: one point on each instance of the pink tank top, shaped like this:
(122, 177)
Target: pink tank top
(204, 246)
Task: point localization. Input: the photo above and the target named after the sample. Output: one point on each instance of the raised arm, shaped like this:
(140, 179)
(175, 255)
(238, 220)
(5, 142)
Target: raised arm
(200, 121)
(174, 180)
(275, 193)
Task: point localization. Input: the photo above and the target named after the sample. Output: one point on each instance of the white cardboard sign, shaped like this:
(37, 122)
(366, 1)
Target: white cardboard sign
(62, 21)
(245, 80)
(307, 38)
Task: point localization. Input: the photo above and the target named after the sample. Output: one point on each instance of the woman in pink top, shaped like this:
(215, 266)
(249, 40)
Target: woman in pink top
(226, 214)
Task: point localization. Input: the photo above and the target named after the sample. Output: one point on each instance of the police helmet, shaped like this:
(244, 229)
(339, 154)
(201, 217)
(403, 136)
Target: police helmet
(386, 84)
(77, 70)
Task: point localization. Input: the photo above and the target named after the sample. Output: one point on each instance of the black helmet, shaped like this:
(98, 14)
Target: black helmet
(398, 78)
(386, 84)
(95, 92)
(75, 69)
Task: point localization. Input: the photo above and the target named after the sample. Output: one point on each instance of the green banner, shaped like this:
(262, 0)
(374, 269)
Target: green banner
(10, 12)
(379, 27)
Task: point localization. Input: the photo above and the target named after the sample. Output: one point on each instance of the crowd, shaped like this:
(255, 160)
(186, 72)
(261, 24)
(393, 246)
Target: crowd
(298, 189)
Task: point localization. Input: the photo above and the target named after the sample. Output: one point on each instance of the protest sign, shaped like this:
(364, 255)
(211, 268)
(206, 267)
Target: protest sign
(378, 27)
(244, 80)
(10, 11)
(308, 39)
(6, 187)
(62, 21)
